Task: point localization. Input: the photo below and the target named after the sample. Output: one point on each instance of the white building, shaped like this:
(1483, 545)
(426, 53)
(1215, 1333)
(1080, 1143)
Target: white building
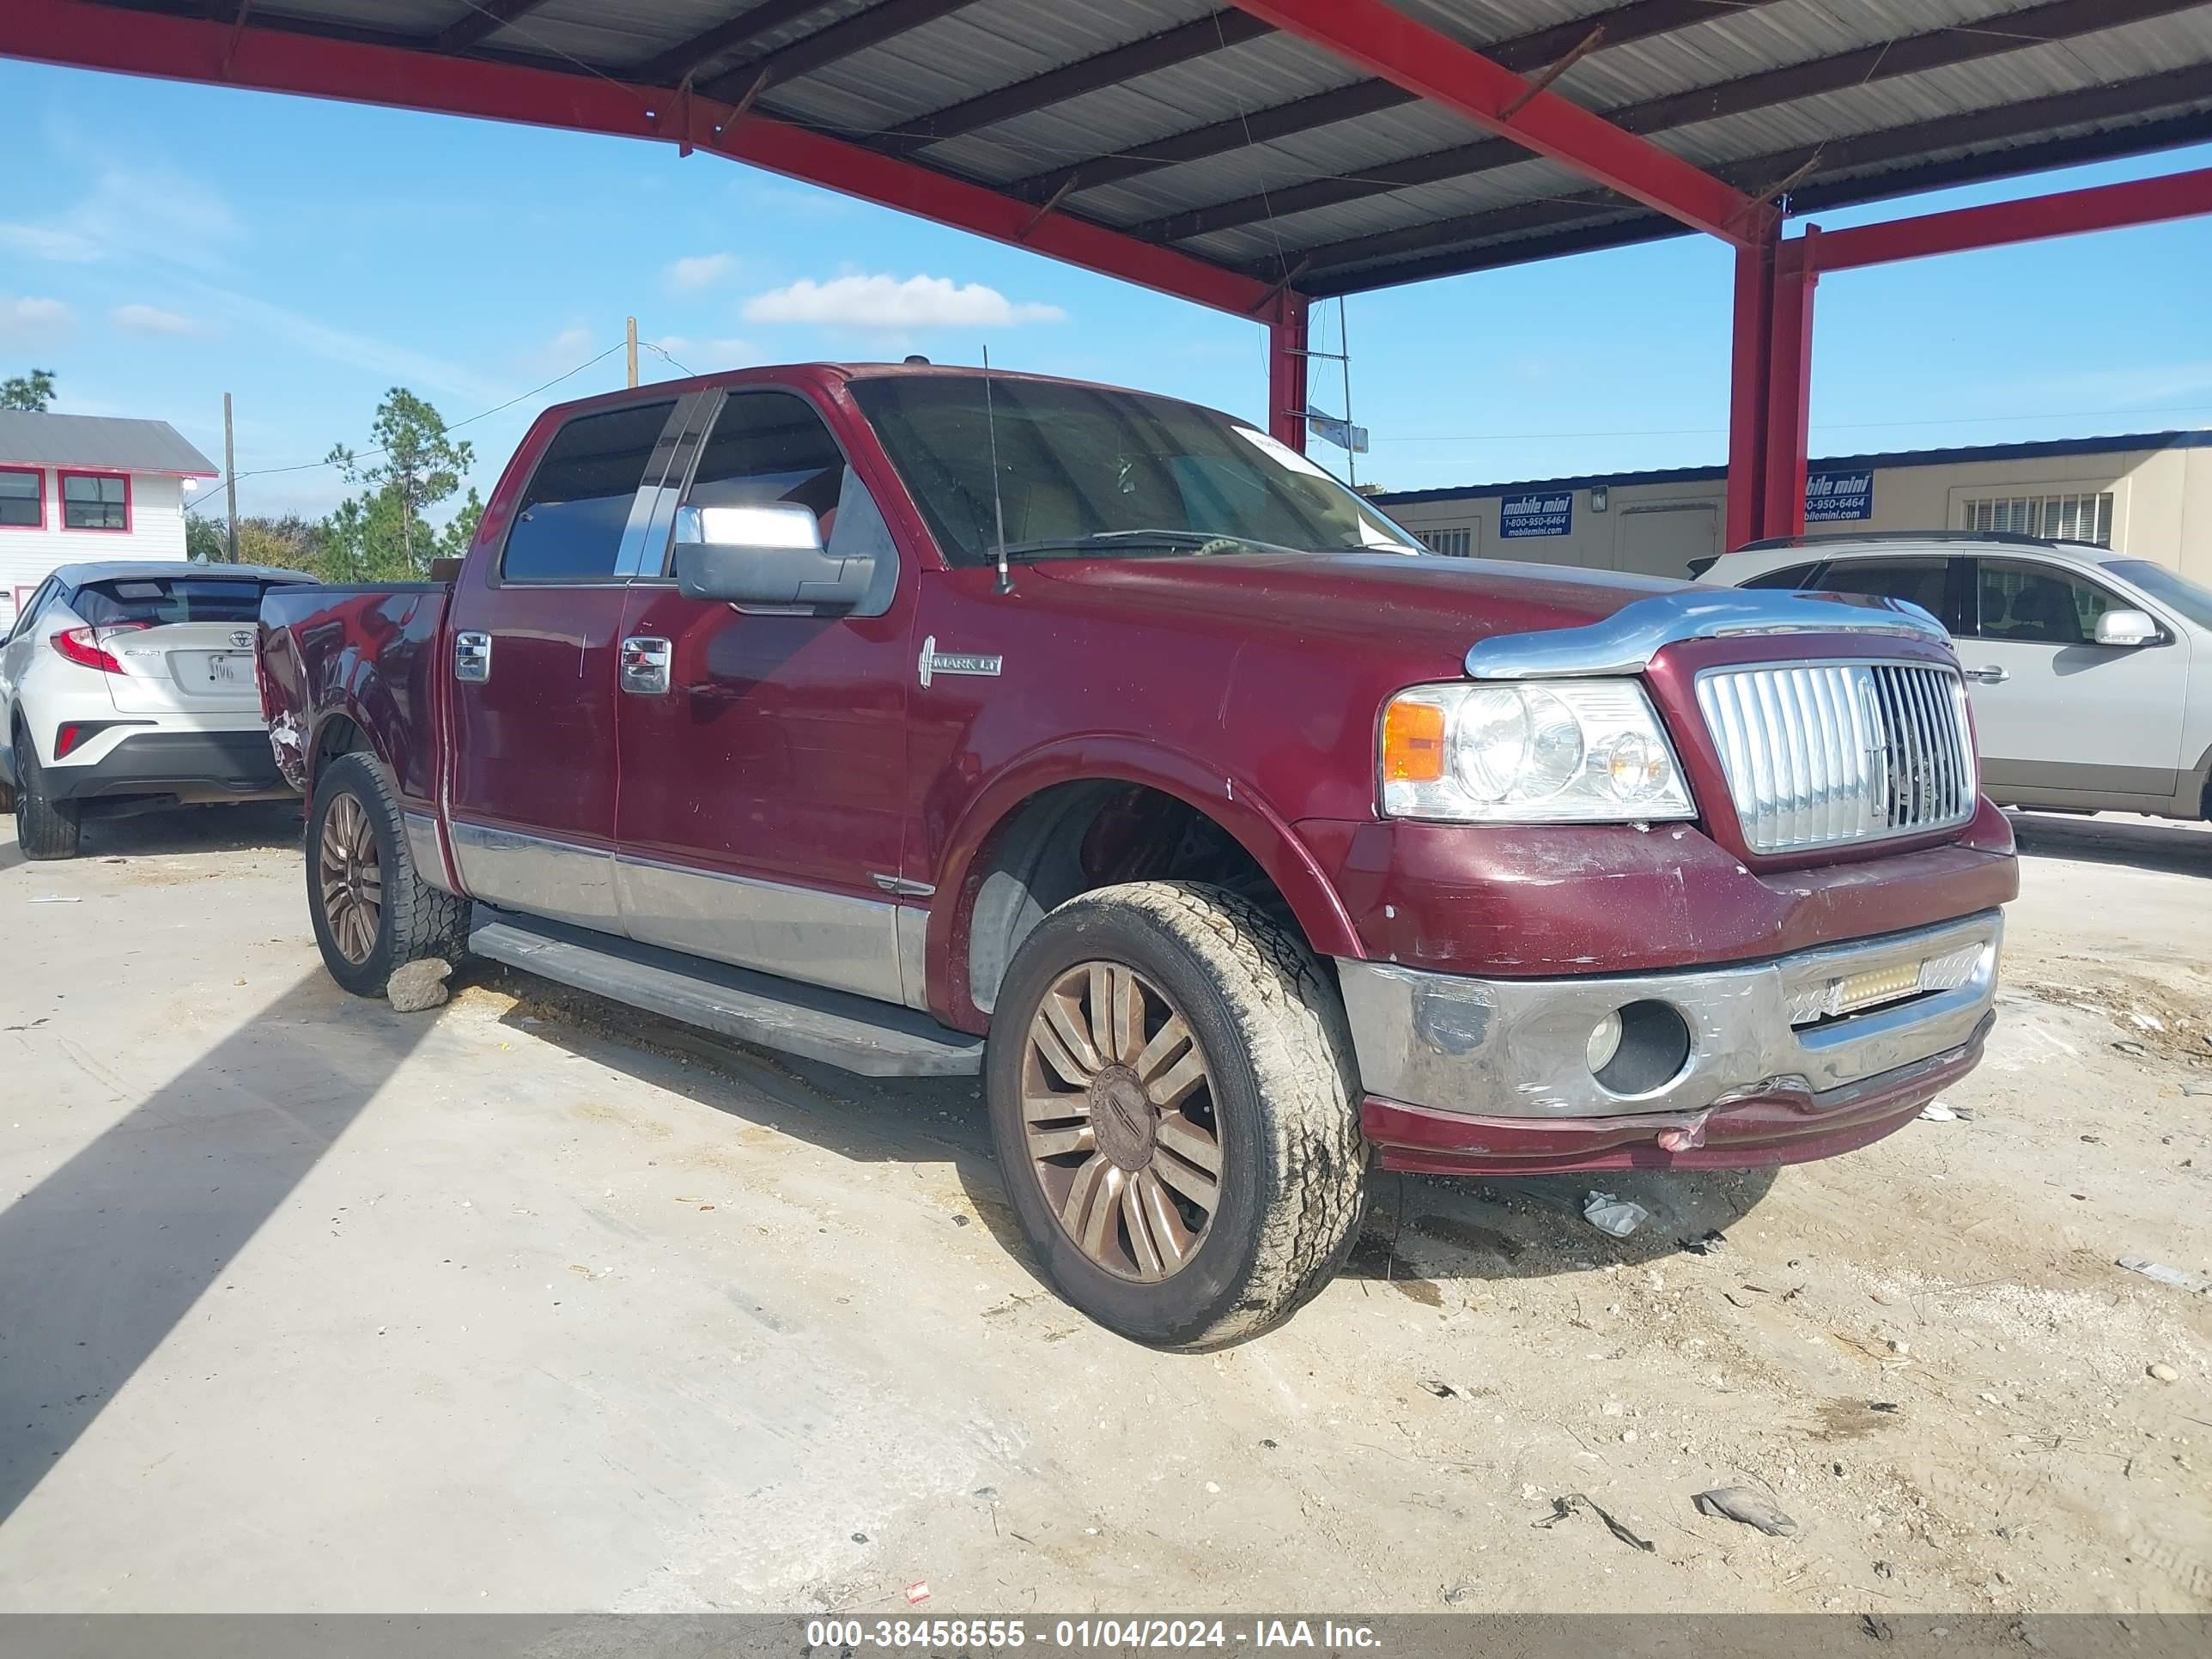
(2147, 494)
(77, 487)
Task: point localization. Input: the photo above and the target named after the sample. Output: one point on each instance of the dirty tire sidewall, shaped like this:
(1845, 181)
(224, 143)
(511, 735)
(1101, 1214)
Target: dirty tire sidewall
(45, 828)
(1285, 1103)
(417, 920)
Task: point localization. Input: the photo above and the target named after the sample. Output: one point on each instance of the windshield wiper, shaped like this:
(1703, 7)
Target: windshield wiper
(1196, 541)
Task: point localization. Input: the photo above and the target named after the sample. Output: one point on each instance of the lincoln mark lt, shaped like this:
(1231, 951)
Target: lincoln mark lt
(927, 722)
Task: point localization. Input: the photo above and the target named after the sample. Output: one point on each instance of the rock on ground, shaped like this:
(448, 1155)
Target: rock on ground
(416, 986)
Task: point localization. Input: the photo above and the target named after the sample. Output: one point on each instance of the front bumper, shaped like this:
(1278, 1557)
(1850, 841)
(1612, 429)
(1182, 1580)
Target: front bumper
(1484, 1076)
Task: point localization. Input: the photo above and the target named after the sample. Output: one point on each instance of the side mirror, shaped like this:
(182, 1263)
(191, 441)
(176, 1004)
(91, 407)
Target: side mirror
(766, 556)
(2126, 628)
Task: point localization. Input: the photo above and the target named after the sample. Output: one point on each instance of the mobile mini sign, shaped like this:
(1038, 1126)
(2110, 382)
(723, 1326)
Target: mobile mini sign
(1833, 497)
(1536, 515)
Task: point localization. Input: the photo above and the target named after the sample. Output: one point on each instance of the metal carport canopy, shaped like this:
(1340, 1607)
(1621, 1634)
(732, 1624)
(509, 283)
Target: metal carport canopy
(1253, 155)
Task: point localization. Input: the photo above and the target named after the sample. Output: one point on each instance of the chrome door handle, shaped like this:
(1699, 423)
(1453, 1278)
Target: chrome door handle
(645, 666)
(1992, 675)
(472, 658)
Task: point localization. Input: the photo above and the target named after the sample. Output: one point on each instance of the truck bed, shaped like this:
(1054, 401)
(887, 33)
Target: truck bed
(365, 655)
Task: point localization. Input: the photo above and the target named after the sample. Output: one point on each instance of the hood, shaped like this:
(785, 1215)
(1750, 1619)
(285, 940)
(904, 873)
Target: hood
(1424, 611)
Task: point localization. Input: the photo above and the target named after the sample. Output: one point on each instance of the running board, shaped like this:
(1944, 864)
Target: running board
(860, 1034)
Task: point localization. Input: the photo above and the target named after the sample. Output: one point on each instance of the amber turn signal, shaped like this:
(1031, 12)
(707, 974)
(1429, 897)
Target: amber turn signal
(1413, 743)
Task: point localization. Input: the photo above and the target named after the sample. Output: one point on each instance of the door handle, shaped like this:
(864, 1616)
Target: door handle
(645, 666)
(1992, 675)
(472, 658)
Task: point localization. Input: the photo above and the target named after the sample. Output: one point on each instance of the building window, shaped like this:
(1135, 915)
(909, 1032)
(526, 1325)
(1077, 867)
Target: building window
(95, 500)
(1458, 543)
(2085, 517)
(22, 498)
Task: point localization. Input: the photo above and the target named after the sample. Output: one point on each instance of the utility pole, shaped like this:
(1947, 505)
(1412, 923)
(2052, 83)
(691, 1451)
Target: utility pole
(230, 478)
(632, 350)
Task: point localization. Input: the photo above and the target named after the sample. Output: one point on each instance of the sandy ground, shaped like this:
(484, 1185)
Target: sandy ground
(532, 1304)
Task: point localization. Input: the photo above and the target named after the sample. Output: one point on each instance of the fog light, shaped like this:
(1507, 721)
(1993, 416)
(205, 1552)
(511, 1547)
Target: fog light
(1604, 1041)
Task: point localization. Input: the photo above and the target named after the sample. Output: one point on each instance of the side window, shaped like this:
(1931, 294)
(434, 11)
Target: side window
(1918, 581)
(1795, 575)
(772, 447)
(2037, 604)
(570, 526)
(44, 590)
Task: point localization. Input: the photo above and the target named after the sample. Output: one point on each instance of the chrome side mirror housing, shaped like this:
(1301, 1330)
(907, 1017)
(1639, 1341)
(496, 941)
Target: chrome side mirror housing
(2126, 628)
(769, 554)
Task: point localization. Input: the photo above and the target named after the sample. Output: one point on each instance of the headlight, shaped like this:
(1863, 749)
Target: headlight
(1529, 751)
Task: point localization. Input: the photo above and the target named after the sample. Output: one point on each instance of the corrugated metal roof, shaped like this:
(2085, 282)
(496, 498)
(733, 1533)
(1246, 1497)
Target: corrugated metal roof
(104, 441)
(1190, 123)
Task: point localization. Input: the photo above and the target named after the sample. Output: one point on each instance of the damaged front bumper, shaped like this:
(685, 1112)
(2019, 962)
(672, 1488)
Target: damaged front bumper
(1776, 1061)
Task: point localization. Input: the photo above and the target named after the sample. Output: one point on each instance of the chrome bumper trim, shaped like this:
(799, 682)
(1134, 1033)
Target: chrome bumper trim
(1515, 1047)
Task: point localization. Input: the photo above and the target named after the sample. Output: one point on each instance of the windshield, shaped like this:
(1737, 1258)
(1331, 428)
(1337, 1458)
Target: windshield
(2161, 584)
(151, 601)
(1085, 472)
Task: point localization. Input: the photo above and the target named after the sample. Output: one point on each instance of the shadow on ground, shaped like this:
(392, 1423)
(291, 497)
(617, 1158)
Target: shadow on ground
(1420, 1229)
(101, 1258)
(2144, 843)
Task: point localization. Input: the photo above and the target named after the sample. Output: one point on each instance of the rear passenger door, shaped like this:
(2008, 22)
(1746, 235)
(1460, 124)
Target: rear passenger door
(2056, 711)
(534, 755)
(1936, 584)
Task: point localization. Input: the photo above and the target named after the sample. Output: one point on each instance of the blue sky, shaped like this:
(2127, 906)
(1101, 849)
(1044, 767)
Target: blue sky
(180, 242)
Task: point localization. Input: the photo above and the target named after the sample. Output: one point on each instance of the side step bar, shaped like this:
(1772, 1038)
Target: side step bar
(875, 1039)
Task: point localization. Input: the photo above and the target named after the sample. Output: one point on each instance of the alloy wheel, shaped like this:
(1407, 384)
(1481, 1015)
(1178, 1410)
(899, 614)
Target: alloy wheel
(1119, 1120)
(352, 879)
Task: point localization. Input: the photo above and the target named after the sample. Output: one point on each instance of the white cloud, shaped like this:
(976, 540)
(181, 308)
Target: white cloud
(152, 319)
(125, 212)
(698, 270)
(880, 304)
(567, 345)
(28, 318)
(705, 357)
(395, 364)
(49, 242)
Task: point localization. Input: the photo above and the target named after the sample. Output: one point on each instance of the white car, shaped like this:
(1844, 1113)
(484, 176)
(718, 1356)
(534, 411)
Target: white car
(2090, 672)
(131, 686)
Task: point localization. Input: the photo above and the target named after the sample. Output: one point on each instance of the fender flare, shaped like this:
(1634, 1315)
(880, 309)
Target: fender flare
(1230, 801)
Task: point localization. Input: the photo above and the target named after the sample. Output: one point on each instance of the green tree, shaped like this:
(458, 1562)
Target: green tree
(386, 533)
(31, 392)
(202, 539)
(290, 542)
(461, 529)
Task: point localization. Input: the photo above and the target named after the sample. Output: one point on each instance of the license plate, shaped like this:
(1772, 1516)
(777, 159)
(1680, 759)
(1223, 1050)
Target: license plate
(229, 670)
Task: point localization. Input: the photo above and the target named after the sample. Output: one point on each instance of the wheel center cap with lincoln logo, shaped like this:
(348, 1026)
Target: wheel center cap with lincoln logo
(1121, 1117)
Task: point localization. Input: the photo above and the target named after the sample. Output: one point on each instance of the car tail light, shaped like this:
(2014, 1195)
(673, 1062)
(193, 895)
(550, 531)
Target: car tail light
(72, 733)
(83, 647)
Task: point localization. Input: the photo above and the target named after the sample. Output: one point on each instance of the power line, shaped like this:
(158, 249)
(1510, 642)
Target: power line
(451, 426)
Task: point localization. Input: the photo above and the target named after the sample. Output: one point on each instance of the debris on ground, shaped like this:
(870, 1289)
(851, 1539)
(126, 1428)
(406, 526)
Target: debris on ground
(1563, 1507)
(1938, 1111)
(2179, 1278)
(1456, 1594)
(1616, 1216)
(1741, 1504)
(2164, 1373)
(917, 1592)
(1705, 1243)
(416, 986)
(1438, 1387)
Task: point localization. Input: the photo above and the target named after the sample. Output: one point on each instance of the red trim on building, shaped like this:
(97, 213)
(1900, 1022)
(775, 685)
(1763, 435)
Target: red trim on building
(39, 473)
(62, 475)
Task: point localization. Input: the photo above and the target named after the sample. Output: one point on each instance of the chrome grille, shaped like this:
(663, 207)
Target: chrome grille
(1819, 754)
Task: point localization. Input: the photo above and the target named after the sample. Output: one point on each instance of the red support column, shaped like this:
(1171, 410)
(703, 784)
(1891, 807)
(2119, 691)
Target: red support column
(1286, 368)
(1789, 387)
(1752, 339)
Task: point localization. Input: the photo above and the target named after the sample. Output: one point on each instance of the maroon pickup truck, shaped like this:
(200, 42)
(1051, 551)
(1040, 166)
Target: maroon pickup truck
(928, 723)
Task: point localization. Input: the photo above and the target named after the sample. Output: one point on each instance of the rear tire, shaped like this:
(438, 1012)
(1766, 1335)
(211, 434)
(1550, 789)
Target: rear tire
(44, 828)
(1173, 1108)
(372, 912)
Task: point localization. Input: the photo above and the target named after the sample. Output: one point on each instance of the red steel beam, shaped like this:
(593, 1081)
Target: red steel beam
(1388, 43)
(1747, 390)
(2067, 213)
(78, 34)
(1286, 369)
(1789, 386)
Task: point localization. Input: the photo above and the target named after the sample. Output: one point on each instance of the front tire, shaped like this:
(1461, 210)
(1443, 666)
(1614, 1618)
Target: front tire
(44, 828)
(372, 912)
(1173, 1105)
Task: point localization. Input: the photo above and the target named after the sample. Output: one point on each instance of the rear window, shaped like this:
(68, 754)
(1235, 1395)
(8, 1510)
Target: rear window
(162, 599)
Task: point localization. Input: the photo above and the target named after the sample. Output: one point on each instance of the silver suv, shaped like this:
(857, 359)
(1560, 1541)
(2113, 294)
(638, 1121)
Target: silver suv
(2090, 672)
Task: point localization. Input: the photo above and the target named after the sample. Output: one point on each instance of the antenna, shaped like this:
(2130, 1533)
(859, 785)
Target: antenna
(997, 504)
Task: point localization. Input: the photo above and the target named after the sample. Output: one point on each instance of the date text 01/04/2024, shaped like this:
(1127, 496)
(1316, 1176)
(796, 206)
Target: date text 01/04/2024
(1002, 1634)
